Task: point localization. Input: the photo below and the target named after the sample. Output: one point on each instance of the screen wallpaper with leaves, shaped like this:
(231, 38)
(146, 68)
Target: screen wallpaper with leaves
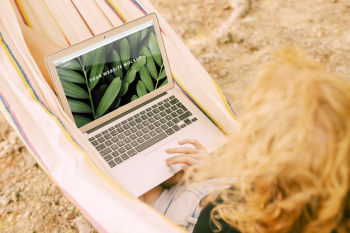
(111, 76)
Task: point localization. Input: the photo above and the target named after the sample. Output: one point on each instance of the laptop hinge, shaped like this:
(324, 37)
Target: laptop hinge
(125, 113)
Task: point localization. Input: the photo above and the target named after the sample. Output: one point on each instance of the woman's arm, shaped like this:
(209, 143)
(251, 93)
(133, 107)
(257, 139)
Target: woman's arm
(39, 46)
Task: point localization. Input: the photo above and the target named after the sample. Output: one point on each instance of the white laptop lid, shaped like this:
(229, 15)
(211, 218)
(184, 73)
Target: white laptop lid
(109, 74)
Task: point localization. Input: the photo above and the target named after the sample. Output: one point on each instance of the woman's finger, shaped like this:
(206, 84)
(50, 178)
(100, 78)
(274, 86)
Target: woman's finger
(183, 159)
(184, 150)
(192, 141)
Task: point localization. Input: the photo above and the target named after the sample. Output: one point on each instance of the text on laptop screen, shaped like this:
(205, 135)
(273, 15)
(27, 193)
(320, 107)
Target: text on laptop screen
(112, 73)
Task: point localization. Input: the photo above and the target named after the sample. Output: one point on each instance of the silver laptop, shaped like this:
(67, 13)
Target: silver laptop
(118, 89)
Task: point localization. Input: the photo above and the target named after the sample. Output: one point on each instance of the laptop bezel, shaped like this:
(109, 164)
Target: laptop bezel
(94, 40)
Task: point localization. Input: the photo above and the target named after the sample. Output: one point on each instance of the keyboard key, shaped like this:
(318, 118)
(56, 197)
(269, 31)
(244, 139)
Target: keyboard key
(194, 119)
(101, 139)
(143, 112)
(161, 108)
(139, 133)
(167, 105)
(121, 136)
(170, 131)
(163, 120)
(132, 123)
(118, 160)
(154, 106)
(98, 135)
(157, 124)
(108, 136)
(168, 117)
(158, 130)
(172, 97)
(138, 120)
(150, 127)
(149, 109)
(94, 143)
(140, 140)
(112, 163)
(146, 137)
(132, 152)
(127, 133)
(120, 129)
(126, 127)
(108, 143)
(150, 114)
(115, 153)
(100, 147)
(118, 125)
(151, 142)
(163, 114)
(124, 122)
(114, 147)
(128, 147)
(183, 125)
(108, 157)
(133, 136)
(187, 121)
(111, 128)
(134, 143)
(104, 132)
(113, 133)
(176, 128)
(127, 140)
(145, 130)
(153, 133)
(180, 111)
(145, 123)
(170, 123)
(121, 150)
(144, 117)
(120, 143)
(155, 111)
(184, 116)
(157, 117)
(133, 129)
(91, 139)
(176, 120)
(115, 139)
(166, 100)
(174, 101)
(105, 151)
(180, 105)
(139, 126)
(174, 108)
(136, 115)
(164, 127)
(130, 118)
(168, 110)
(174, 114)
(125, 156)
(151, 120)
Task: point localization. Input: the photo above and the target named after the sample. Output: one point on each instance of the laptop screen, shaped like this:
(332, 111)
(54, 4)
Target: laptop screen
(110, 74)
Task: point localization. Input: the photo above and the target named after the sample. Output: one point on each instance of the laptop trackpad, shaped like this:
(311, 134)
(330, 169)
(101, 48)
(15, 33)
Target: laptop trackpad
(157, 159)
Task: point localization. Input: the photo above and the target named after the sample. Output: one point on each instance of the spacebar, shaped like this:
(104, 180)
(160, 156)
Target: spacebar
(150, 142)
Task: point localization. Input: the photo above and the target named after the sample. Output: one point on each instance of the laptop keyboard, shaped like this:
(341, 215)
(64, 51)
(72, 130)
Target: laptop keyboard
(138, 132)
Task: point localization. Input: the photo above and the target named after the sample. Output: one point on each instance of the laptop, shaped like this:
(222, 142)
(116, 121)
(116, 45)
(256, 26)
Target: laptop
(117, 87)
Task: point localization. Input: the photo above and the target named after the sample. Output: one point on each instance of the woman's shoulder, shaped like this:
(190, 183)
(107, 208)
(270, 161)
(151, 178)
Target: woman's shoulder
(206, 225)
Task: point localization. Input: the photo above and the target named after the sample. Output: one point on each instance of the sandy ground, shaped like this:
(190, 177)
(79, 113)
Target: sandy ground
(30, 202)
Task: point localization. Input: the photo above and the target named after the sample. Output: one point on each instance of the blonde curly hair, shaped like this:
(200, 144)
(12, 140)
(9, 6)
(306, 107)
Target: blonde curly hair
(291, 154)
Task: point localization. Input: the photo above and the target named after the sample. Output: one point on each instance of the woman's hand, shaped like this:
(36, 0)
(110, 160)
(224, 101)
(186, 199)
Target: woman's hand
(188, 156)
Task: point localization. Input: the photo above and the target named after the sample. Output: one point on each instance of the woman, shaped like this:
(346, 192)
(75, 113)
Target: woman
(292, 154)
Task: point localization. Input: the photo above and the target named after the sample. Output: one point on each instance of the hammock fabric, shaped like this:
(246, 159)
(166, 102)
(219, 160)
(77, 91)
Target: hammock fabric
(35, 112)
